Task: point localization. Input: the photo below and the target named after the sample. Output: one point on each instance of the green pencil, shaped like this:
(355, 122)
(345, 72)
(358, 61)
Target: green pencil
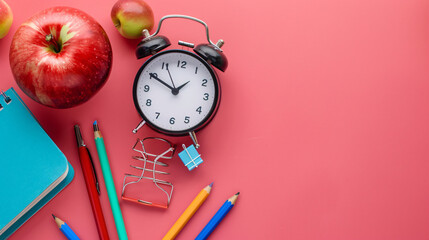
(110, 185)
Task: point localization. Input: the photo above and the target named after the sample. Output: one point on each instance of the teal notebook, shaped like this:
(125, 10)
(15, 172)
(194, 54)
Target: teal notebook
(32, 168)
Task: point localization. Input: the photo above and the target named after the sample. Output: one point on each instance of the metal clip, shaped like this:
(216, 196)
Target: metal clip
(151, 171)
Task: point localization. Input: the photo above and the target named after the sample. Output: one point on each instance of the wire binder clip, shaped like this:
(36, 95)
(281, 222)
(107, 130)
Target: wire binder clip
(7, 99)
(190, 157)
(151, 172)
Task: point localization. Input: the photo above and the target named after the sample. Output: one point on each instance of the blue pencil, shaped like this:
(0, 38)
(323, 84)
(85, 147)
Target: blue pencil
(65, 229)
(217, 218)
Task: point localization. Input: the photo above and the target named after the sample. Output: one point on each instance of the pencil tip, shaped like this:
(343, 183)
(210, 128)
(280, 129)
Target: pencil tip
(53, 216)
(95, 126)
(237, 193)
(211, 185)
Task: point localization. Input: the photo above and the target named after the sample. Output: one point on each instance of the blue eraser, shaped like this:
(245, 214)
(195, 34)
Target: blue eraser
(190, 157)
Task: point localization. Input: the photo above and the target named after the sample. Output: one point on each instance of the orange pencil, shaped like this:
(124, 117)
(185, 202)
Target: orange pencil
(188, 213)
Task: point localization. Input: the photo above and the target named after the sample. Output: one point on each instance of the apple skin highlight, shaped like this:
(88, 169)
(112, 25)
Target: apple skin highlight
(60, 57)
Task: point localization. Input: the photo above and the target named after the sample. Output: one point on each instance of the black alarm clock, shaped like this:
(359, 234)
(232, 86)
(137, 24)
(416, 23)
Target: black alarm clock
(177, 92)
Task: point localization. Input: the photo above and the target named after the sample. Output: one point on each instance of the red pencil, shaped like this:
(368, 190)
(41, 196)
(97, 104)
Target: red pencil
(91, 184)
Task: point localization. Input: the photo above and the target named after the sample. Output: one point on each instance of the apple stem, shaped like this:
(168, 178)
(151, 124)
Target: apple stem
(55, 46)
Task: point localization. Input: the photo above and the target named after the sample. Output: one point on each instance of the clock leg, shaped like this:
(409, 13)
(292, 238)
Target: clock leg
(194, 139)
(139, 126)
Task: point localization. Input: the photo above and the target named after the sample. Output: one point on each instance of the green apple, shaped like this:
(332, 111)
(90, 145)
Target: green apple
(6, 18)
(131, 17)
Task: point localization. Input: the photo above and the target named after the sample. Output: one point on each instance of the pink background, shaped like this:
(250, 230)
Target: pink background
(323, 126)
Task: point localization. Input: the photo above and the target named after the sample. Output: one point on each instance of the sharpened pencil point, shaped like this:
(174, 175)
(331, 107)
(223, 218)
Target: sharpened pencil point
(53, 216)
(211, 185)
(237, 193)
(95, 126)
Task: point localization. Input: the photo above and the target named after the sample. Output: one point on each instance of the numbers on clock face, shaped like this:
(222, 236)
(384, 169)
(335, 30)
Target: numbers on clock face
(176, 91)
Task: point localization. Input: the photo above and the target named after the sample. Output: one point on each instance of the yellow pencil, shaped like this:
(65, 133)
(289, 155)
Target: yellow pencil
(188, 213)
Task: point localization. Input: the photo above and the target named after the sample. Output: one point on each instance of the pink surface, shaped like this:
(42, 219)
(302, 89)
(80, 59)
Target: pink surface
(323, 126)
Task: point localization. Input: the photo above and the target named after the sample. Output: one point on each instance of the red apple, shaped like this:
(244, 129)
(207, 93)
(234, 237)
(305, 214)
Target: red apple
(131, 17)
(60, 57)
(6, 18)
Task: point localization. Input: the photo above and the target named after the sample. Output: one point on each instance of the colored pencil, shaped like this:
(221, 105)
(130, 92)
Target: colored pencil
(65, 229)
(217, 218)
(92, 185)
(110, 185)
(188, 213)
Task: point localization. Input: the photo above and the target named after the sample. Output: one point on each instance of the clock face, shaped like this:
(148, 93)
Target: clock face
(176, 92)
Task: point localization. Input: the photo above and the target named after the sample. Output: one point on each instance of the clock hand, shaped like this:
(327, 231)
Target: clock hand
(155, 76)
(169, 74)
(175, 91)
(180, 87)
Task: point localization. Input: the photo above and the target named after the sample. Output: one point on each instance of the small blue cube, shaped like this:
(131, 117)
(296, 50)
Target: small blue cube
(190, 157)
